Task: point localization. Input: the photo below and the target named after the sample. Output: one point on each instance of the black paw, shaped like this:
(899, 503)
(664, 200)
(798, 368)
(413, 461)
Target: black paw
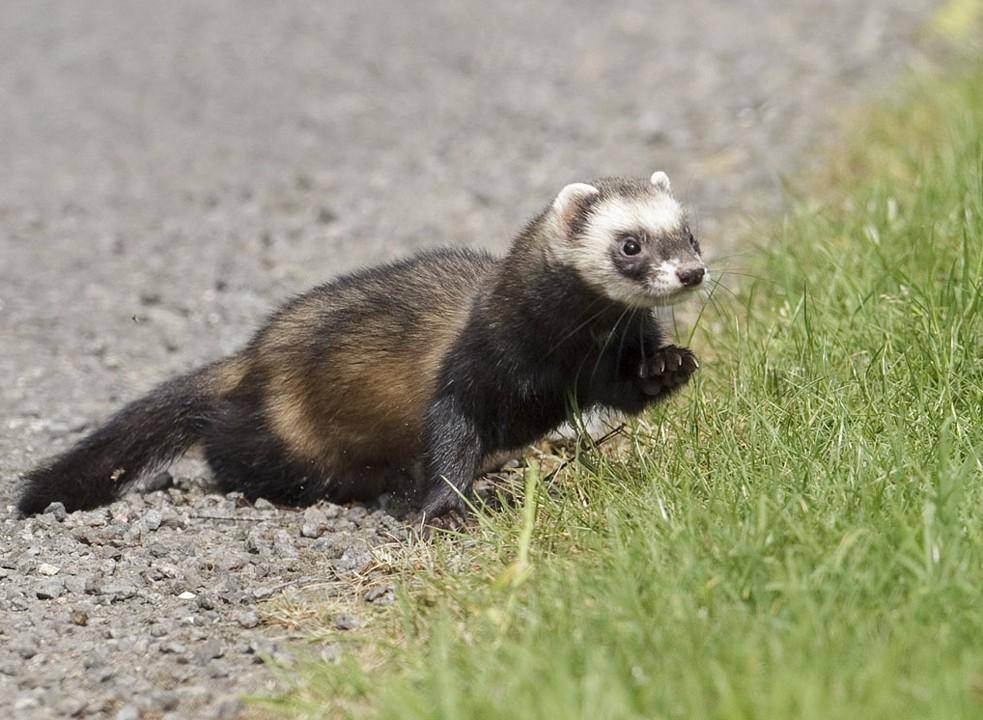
(665, 371)
(442, 504)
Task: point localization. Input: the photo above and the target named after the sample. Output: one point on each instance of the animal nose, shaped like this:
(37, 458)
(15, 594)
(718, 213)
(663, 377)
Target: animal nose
(691, 276)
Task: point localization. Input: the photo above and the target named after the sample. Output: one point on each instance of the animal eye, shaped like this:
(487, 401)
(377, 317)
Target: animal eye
(630, 246)
(692, 241)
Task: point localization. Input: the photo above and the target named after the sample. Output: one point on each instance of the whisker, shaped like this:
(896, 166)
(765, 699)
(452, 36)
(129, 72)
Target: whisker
(742, 253)
(718, 306)
(699, 316)
(718, 283)
(742, 274)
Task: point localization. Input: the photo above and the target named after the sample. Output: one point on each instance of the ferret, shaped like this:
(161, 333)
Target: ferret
(415, 376)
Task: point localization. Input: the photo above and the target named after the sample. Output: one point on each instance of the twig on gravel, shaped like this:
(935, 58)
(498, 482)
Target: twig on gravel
(229, 517)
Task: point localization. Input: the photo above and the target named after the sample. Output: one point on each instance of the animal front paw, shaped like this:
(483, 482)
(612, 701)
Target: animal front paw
(666, 370)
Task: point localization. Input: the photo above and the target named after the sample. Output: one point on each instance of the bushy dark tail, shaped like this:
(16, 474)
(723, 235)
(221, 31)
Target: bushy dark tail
(145, 434)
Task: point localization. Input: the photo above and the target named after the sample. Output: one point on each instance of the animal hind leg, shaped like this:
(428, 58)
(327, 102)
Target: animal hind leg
(246, 457)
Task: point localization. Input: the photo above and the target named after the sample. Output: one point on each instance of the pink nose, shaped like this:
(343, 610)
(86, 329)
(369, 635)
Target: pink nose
(692, 275)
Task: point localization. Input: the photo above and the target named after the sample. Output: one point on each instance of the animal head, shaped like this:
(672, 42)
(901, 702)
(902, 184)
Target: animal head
(629, 239)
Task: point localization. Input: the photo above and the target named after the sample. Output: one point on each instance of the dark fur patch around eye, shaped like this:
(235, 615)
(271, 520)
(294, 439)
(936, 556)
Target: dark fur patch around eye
(634, 267)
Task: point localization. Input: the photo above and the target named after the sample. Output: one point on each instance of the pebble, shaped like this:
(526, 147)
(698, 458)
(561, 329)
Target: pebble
(26, 649)
(256, 541)
(128, 712)
(346, 621)
(152, 520)
(118, 591)
(56, 510)
(380, 595)
(210, 650)
(227, 709)
(283, 544)
(355, 557)
(248, 619)
(190, 566)
(164, 701)
(71, 706)
(48, 569)
(315, 522)
(50, 589)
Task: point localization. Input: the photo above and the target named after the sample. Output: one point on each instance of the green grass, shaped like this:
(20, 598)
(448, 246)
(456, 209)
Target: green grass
(798, 535)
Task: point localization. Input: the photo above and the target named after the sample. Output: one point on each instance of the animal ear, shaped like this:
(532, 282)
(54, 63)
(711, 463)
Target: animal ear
(661, 181)
(568, 201)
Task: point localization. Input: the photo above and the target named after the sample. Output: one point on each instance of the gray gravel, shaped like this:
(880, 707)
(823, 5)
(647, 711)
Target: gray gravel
(172, 170)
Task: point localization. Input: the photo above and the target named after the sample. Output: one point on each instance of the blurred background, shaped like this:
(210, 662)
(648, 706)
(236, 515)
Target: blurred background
(172, 170)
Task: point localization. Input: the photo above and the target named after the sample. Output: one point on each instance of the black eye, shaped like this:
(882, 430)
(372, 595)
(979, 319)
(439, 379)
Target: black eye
(630, 246)
(692, 241)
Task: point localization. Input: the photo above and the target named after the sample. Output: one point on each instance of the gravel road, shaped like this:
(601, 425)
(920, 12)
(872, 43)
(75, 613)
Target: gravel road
(172, 170)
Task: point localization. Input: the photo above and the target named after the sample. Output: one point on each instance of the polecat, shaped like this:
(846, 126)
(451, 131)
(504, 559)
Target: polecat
(413, 376)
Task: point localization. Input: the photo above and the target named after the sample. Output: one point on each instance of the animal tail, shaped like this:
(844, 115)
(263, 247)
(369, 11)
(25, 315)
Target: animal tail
(145, 434)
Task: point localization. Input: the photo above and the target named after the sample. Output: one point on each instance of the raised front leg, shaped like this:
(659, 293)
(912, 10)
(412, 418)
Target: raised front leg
(667, 369)
(635, 379)
(451, 457)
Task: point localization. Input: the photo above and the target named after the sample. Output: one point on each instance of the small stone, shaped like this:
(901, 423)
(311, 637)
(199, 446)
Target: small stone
(283, 544)
(50, 589)
(79, 617)
(25, 702)
(128, 712)
(152, 520)
(164, 701)
(255, 542)
(57, 510)
(208, 651)
(345, 621)
(187, 595)
(26, 649)
(71, 706)
(118, 591)
(332, 545)
(173, 648)
(48, 569)
(248, 619)
(325, 216)
(75, 584)
(315, 523)
(171, 519)
(263, 504)
(264, 591)
(158, 630)
(206, 601)
(380, 595)
(355, 557)
(227, 709)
